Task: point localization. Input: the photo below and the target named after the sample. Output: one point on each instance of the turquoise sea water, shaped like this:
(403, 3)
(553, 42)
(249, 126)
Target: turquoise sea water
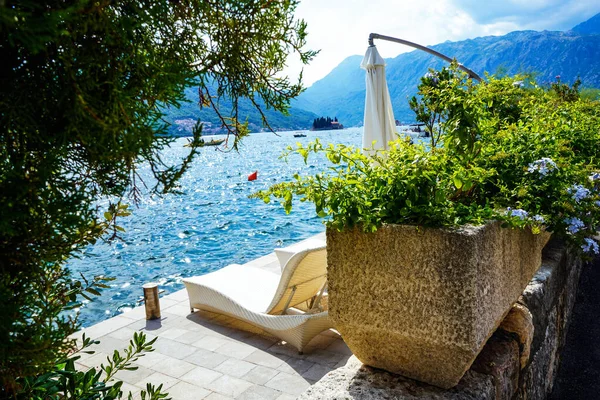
(211, 225)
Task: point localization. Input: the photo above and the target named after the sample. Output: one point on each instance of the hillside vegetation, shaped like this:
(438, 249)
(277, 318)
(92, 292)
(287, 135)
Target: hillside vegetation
(183, 119)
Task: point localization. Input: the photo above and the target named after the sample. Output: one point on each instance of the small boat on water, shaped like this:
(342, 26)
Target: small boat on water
(214, 142)
(299, 135)
(414, 130)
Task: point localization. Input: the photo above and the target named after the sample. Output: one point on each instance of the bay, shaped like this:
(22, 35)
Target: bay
(212, 224)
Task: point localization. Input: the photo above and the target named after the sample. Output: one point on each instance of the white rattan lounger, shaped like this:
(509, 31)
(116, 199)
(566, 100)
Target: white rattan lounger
(265, 299)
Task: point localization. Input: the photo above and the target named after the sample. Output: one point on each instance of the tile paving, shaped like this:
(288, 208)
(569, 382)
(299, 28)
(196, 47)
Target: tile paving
(203, 355)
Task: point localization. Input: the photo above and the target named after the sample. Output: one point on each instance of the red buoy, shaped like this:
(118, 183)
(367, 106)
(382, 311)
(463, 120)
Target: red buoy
(253, 176)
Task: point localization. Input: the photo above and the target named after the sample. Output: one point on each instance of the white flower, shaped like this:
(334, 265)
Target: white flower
(518, 83)
(543, 166)
(598, 203)
(575, 224)
(521, 214)
(595, 176)
(538, 218)
(579, 192)
(590, 246)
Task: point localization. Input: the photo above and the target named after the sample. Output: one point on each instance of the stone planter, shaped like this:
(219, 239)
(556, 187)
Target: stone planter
(422, 303)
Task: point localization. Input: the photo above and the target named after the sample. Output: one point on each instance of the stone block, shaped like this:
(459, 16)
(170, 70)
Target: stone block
(172, 348)
(540, 295)
(519, 321)
(205, 358)
(356, 381)
(500, 360)
(423, 302)
(260, 375)
(265, 359)
(229, 386)
(287, 383)
(157, 379)
(134, 376)
(187, 391)
(296, 366)
(200, 376)
(550, 298)
(173, 367)
(257, 392)
(234, 367)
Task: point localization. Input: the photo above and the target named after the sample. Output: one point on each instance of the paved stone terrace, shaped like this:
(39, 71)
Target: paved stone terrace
(209, 356)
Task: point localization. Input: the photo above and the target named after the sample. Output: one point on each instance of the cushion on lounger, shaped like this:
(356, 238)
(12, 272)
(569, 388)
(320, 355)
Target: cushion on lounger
(251, 287)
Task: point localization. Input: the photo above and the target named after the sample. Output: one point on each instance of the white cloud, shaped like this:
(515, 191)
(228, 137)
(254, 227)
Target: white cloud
(532, 14)
(340, 28)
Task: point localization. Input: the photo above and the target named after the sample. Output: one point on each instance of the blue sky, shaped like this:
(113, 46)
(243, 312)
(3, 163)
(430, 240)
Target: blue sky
(340, 28)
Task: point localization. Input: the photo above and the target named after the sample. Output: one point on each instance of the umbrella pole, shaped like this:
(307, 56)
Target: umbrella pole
(373, 36)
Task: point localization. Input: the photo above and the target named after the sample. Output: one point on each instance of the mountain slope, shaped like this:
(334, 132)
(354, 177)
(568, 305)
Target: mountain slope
(184, 118)
(548, 54)
(345, 77)
(589, 27)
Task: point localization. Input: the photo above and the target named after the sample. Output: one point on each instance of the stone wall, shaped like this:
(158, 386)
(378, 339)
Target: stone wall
(518, 362)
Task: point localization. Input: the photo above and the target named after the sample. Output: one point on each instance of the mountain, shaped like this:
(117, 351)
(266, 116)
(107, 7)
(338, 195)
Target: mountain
(183, 119)
(346, 78)
(547, 54)
(589, 27)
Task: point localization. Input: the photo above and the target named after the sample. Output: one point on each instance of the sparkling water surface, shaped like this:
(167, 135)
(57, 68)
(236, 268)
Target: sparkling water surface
(212, 224)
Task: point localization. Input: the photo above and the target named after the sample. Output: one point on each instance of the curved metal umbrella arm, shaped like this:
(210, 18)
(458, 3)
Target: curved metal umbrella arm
(373, 36)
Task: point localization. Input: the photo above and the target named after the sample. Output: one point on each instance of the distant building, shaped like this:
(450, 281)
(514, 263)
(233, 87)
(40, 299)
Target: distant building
(336, 125)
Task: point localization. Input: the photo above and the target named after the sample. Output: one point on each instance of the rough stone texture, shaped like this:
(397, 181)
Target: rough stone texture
(497, 372)
(520, 322)
(500, 360)
(579, 372)
(550, 297)
(422, 303)
(358, 381)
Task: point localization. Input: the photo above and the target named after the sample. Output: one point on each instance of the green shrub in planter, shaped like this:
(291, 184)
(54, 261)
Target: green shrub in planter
(503, 150)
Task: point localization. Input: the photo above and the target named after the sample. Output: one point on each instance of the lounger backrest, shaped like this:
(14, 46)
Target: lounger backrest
(303, 276)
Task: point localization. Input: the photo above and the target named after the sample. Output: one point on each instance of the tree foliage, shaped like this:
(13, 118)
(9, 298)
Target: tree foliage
(82, 86)
(65, 381)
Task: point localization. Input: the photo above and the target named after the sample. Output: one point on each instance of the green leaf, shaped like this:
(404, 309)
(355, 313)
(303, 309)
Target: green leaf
(457, 182)
(92, 291)
(101, 285)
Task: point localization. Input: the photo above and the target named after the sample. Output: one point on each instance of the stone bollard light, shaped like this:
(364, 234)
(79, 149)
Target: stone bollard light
(151, 300)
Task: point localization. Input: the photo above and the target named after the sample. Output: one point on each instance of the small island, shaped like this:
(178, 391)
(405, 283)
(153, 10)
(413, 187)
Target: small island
(323, 124)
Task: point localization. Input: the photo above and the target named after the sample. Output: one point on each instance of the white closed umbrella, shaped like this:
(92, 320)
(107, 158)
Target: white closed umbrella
(379, 122)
